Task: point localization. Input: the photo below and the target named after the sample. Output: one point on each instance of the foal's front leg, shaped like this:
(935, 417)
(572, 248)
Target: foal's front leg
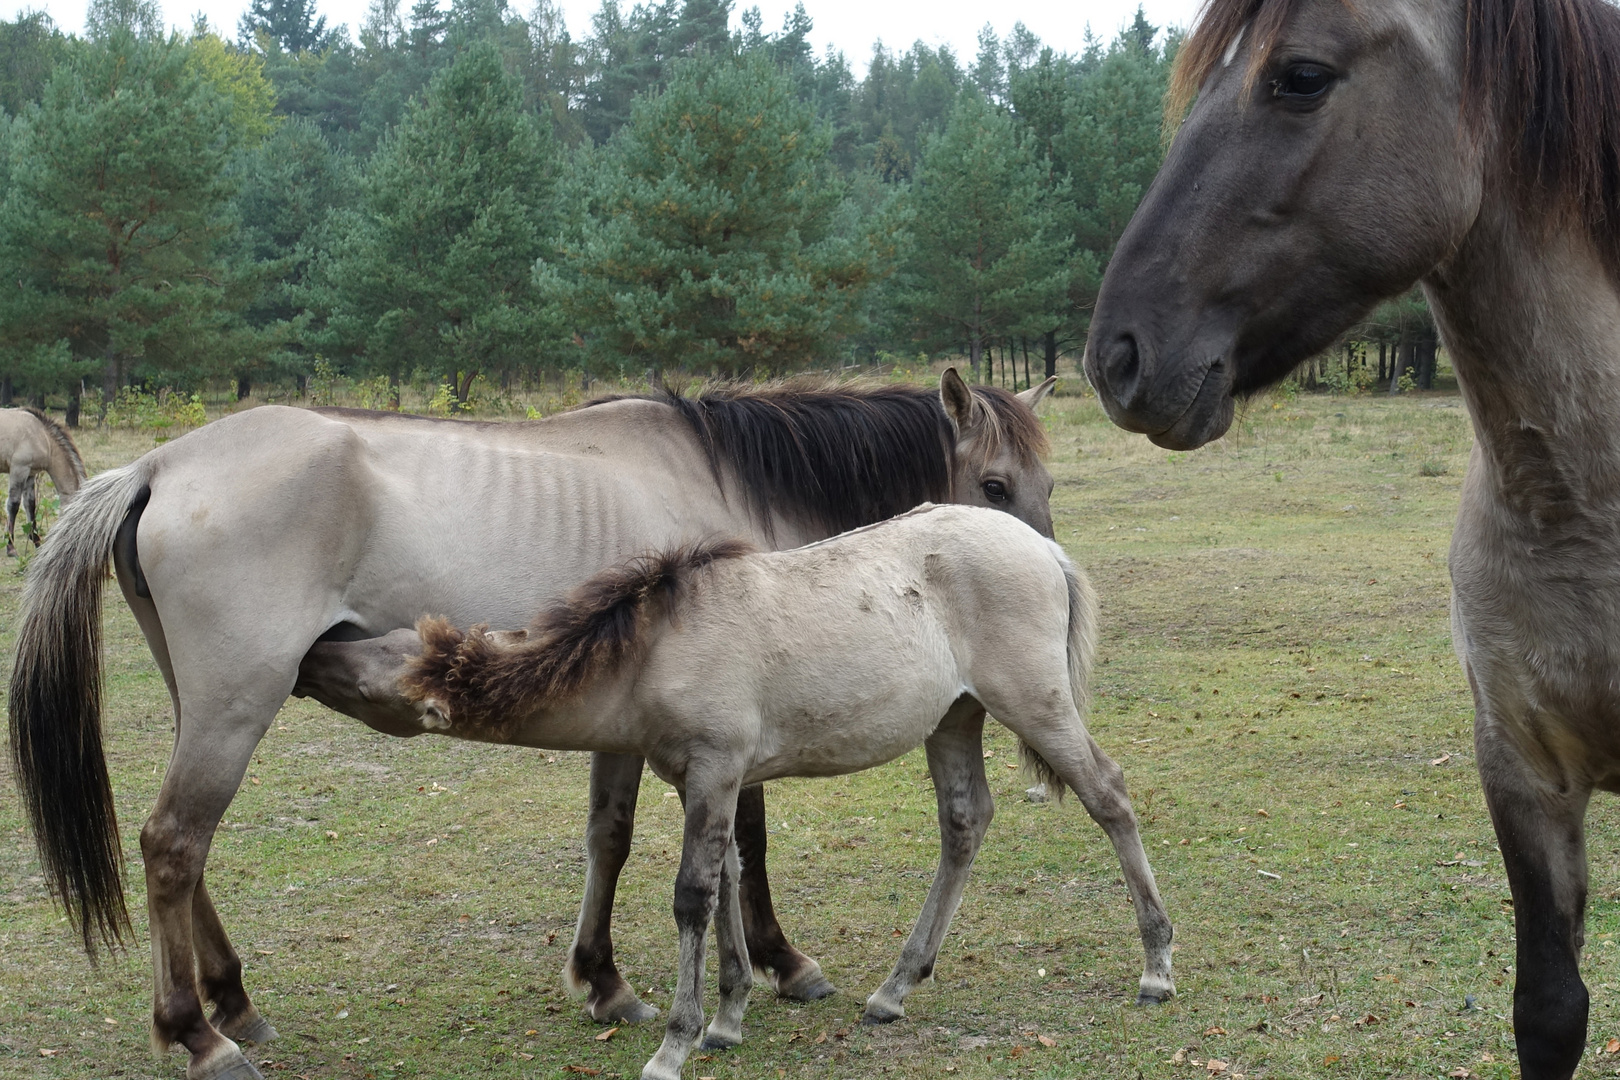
(956, 760)
(711, 806)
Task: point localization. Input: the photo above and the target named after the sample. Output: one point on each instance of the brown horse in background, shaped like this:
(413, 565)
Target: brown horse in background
(241, 545)
(32, 443)
(1337, 152)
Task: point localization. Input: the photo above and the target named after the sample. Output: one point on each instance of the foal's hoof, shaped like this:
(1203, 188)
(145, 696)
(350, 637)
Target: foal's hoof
(711, 1041)
(805, 984)
(882, 1012)
(1155, 995)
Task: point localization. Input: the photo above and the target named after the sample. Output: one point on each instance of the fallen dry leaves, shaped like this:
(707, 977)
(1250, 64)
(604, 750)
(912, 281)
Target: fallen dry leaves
(606, 1035)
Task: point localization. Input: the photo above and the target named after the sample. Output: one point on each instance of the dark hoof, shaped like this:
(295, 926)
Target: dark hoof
(882, 1014)
(715, 1042)
(1151, 999)
(805, 984)
(622, 1008)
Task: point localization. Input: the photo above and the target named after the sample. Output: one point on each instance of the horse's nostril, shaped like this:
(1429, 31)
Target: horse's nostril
(1123, 362)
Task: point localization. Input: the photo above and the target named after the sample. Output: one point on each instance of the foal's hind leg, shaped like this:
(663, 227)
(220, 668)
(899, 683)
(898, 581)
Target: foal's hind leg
(794, 974)
(1067, 747)
(615, 784)
(956, 760)
(736, 975)
(1540, 827)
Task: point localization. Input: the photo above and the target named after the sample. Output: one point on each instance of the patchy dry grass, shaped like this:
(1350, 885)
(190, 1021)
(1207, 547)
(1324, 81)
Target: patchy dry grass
(1275, 677)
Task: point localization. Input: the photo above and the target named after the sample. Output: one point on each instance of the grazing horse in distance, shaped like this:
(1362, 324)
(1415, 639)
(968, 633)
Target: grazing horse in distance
(725, 668)
(397, 515)
(32, 443)
(1338, 152)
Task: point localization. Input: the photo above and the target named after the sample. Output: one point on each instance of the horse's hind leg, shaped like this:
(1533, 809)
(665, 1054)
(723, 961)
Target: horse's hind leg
(219, 971)
(794, 974)
(1540, 828)
(615, 784)
(956, 760)
(1070, 750)
(736, 975)
(209, 759)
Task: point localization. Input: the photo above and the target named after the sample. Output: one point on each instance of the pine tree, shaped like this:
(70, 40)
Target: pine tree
(988, 250)
(432, 270)
(711, 241)
(291, 24)
(116, 221)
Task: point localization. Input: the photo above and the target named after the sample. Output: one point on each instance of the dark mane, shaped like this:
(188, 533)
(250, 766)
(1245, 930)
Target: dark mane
(63, 440)
(592, 632)
(1544, 75)
(836, 456)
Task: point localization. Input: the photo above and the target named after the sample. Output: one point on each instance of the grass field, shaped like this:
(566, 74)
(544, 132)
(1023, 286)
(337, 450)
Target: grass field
(1275, 677)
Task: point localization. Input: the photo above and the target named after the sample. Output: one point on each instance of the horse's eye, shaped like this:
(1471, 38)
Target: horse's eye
(1302, 83)
(995, 491)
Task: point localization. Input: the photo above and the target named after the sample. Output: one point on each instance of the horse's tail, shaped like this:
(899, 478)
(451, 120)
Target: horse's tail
(482, 688)
(56, 708)
(1082, 644)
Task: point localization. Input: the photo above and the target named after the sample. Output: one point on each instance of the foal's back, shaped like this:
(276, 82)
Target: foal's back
(843, 654)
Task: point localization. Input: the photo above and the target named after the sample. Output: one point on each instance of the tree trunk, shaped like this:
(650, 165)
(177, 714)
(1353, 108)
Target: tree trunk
(975, 354)
(1426, 348)
(1403, 361)
(1023, 343)
(77, 392)
(302, 381)
(6, 392)
(1051, 353)
(244, 387)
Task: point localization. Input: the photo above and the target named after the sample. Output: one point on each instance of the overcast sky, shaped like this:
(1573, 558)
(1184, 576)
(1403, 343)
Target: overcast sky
(851, 26)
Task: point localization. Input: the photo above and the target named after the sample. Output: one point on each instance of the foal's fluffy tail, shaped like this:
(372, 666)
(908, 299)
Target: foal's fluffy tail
(1082, 644)
(56, 707)
(482, 688)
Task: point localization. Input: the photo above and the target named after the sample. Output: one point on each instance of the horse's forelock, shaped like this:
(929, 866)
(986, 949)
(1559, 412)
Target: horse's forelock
(1008, 422)
(1543, 76)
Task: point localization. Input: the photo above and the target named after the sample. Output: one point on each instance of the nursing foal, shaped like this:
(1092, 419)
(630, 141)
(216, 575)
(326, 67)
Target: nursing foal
(724, 667)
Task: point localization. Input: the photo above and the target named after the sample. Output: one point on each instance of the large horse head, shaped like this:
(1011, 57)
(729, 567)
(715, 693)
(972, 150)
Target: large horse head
(1337, 153)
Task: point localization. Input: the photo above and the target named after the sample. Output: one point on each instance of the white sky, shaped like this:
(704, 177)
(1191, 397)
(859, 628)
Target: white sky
(849, 25)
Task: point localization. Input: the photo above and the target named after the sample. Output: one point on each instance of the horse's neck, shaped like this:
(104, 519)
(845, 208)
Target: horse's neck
(1532, 323)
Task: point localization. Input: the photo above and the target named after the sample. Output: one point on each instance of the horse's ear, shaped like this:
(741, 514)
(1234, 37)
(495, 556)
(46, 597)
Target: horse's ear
(957, 399)
(1035, 394)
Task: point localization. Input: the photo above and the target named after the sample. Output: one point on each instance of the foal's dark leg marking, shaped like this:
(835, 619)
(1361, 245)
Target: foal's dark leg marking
(1542, 836)
(615, 784)
(794, 974)
(31, 504)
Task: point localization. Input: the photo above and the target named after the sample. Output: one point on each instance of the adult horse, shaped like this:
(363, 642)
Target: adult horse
(242, 544)
(1336, 153)
(32, 443)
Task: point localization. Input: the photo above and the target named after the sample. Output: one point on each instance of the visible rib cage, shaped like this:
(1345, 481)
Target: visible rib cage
(597, 628)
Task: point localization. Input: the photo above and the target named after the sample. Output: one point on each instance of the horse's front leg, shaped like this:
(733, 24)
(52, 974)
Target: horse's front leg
(711, 806)
(14, 496)
(793, 974)
(31, 504)
(615, 785)
(956, 760)
(1540, 827)
(736, 976)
